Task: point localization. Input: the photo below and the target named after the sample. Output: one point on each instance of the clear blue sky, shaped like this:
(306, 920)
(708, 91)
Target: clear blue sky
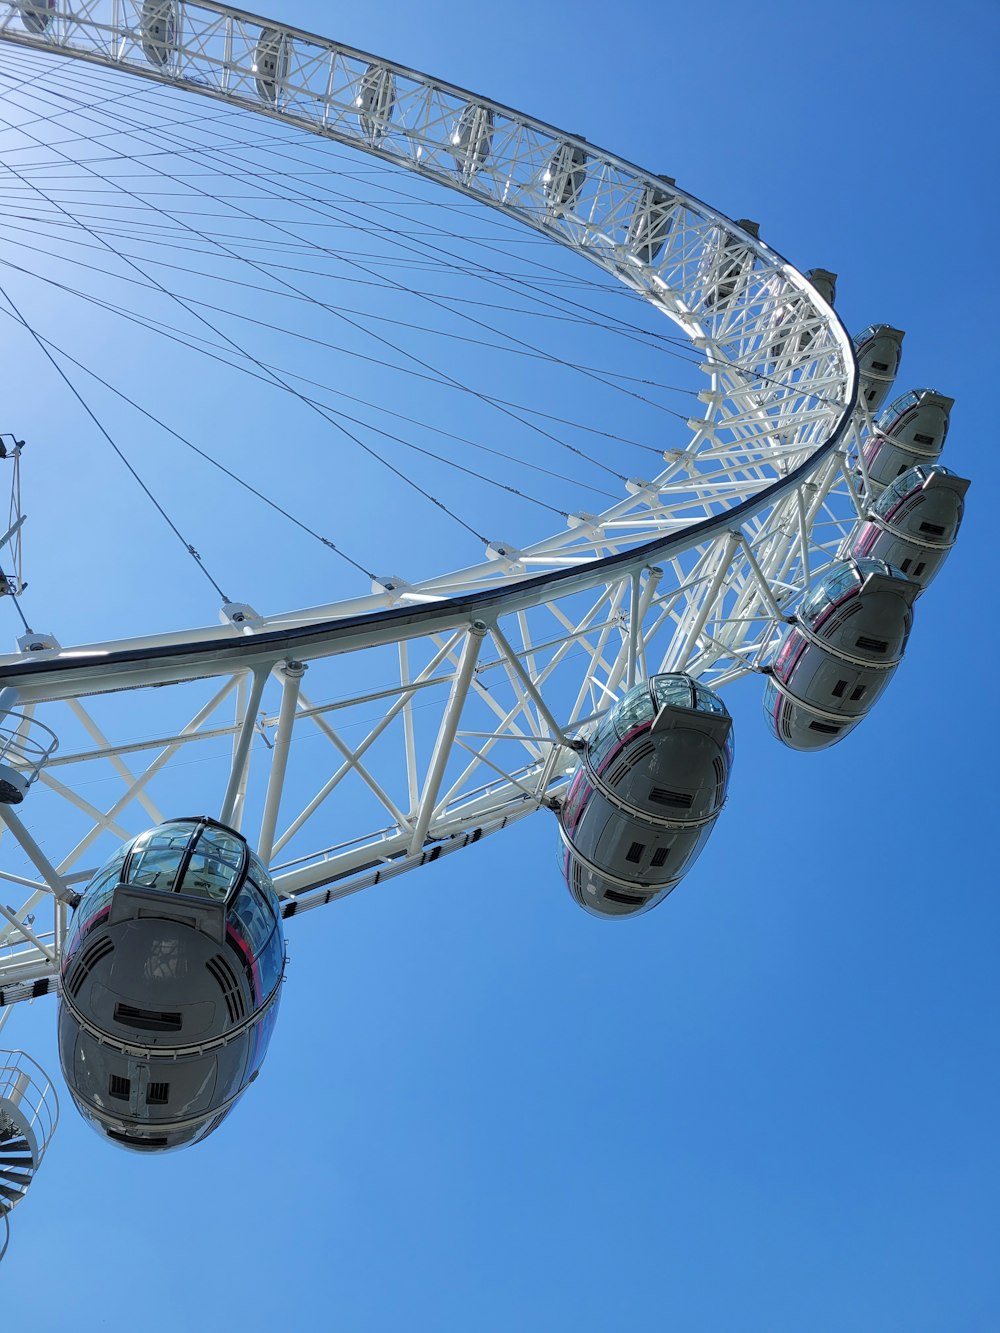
(769, 1106)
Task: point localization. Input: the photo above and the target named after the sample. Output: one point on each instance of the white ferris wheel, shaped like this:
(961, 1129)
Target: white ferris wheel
(438, 709)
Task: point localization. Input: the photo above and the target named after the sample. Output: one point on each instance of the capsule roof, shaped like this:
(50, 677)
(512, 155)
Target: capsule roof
(875, 331)
(682, 691)
(194, 856)
(887, 418)
(673, 690)
(842, 578)
(878, 349)
(915, 479)
(825, 283)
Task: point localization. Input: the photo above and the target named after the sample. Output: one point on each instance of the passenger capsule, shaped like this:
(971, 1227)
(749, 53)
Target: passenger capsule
(914, 522)
(37, 15)
(794, 307)
(472, 138)
(911, 430)
(825, 283)
(651, 223)
(158, 26)
(725, 263)
(840, 653)
(878, 349)
(170, 985)
(270, 63)
(375, 102)
(564, 177)
(646, 796)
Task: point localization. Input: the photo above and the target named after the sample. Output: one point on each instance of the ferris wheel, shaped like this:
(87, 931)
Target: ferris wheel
(579, 671)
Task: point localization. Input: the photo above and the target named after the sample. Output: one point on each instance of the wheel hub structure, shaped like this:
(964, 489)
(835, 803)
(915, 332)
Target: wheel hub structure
(443, 709)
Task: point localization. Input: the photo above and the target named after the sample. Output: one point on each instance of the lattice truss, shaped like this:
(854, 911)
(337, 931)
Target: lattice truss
(440, 711)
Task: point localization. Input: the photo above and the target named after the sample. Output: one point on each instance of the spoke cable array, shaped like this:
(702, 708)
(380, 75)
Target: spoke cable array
(695, 569)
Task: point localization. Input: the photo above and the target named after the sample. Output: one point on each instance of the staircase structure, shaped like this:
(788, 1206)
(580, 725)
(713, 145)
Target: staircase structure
(29, 1113)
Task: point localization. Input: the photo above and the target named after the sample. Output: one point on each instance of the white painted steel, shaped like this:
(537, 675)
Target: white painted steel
(481, 673)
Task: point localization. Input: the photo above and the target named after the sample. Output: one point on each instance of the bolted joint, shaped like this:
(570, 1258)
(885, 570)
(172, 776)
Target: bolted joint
(37, 643)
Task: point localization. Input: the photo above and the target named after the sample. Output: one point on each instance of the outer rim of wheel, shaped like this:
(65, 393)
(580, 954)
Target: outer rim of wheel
(514, 594)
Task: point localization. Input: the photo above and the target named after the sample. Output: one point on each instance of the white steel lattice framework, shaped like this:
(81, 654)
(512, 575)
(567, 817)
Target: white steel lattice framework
(468, 691)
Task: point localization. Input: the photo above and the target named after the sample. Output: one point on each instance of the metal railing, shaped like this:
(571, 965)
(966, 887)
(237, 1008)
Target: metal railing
(28, 1095)
(25, 744)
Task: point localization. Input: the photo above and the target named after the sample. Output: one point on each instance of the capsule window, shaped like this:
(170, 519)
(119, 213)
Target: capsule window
(634, 853)
(149, 1020)
(626, 899)
(839, 688)
(680, 800)
(157, 1094)
(119, 1088)
(139, 1141)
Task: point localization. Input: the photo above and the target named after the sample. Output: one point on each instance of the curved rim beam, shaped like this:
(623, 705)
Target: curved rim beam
(61, 673)
(601, 206)
(783, 382)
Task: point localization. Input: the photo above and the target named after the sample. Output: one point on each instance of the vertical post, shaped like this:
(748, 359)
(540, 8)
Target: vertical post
(633, 621)
(803, 537)
(409, 738)
(59, 923)
(241, 751)
(640, 605)
(293, 673)
(446, 733)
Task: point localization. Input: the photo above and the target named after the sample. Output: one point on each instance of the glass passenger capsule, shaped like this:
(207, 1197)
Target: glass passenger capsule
(472, 138)
(915, 521)
(825, 283)
(784, 316)
(270, 63)
(37, 15)
(646, 796)
(158, 28)
(878, 349)
(563, 178)
(726, 262)
(170, 985)
(651, 222)
(375, 102)
(839, 654)
(911, 430)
